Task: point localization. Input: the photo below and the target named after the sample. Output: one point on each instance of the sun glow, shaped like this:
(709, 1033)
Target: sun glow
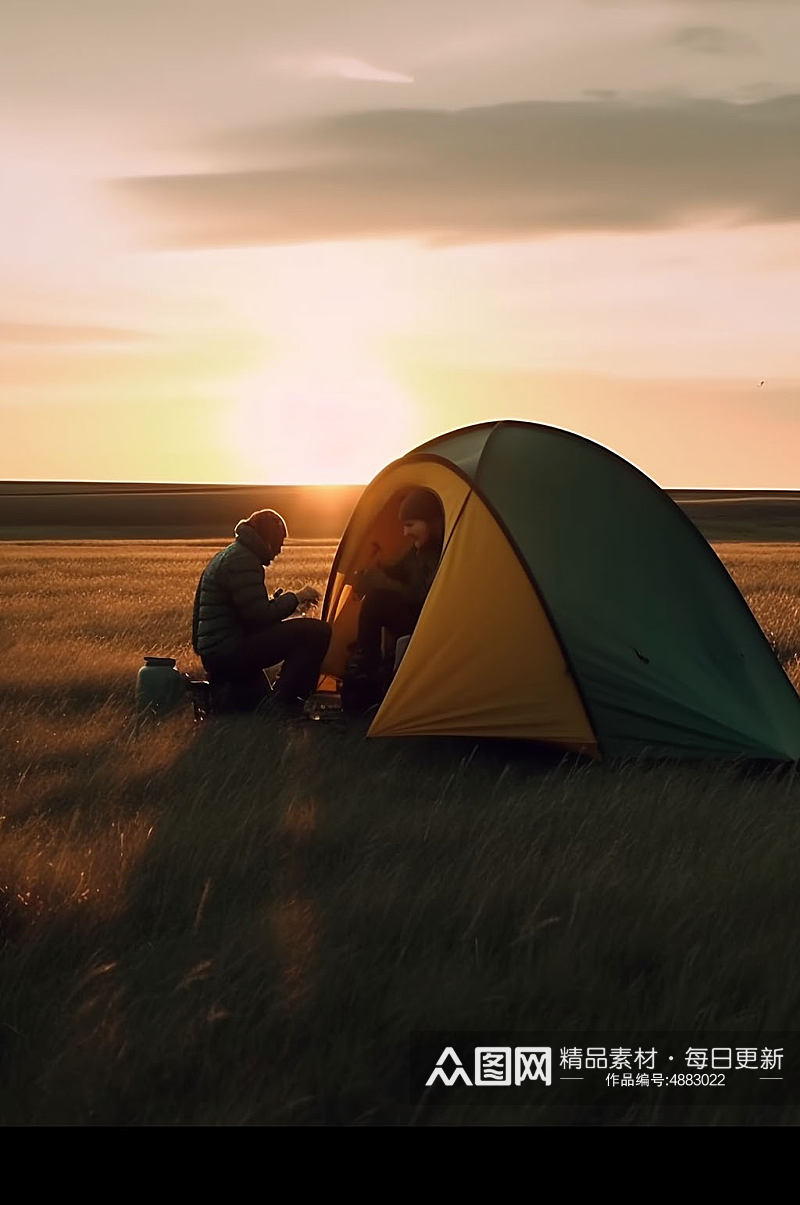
(319, 418)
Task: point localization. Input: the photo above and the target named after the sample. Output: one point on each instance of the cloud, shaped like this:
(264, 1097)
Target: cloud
(331, 66)
(713, 39)
(35, 333)
(490, 173)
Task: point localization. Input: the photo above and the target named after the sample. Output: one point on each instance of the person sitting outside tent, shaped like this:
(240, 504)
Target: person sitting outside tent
(238, 630)
(393, 595)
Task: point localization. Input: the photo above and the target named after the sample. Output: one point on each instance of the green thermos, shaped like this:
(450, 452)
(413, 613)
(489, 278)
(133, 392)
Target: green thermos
(160, 688)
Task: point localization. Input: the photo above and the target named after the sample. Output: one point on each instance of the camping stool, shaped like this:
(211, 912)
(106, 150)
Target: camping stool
(400, 650)
(200, 694)
(388, 646)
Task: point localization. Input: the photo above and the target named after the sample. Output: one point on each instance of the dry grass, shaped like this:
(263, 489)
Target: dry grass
(242, 926)
(768, 576)
(77, 620)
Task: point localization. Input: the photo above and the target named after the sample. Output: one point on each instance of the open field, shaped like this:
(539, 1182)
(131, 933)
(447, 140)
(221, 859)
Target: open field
(40, 510)
(247, 924)
(105, 510)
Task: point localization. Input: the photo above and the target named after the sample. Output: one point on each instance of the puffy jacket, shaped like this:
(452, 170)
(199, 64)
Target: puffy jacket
(231, 600)
(415, 572)
(411, 576)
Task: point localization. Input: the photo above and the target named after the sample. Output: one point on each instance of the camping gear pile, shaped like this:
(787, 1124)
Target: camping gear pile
(162, 689)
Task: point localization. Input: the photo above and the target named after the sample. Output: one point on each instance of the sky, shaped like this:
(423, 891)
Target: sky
(287, 242)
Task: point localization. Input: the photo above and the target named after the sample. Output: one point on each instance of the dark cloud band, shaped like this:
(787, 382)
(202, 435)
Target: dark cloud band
(499, 172)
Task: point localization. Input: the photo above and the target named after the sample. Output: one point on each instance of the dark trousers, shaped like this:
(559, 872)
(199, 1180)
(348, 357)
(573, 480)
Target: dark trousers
(384, 609)
(300, 644)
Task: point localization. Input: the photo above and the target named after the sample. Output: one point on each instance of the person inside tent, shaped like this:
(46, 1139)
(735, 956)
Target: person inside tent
(393, 595)
(238, 630)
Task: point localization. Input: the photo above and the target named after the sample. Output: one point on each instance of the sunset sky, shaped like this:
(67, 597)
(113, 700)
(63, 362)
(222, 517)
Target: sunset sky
(287, 242)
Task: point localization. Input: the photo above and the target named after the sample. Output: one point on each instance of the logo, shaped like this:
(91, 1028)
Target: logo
(440, 1073)
(495, 1067)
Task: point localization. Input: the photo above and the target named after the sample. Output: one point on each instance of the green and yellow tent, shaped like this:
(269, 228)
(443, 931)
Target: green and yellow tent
(574, 604)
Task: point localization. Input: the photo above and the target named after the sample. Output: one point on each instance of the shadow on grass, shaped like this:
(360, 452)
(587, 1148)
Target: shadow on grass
(302, 902)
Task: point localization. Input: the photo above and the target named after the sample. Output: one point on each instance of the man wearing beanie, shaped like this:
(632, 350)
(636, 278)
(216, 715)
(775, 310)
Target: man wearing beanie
(393, 595)
(238, 630)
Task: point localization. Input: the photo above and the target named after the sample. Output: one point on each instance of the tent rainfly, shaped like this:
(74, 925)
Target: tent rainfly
(574, 604)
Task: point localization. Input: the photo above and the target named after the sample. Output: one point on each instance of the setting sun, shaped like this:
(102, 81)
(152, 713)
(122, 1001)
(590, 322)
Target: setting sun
(326, 418)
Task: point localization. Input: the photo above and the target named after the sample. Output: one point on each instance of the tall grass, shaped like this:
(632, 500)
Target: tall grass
(769, 577)
(247, 924)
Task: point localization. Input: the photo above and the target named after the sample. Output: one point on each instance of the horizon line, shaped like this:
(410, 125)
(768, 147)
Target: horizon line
(325, 485)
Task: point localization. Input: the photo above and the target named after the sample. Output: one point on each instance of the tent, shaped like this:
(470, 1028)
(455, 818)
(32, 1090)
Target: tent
(574, 604)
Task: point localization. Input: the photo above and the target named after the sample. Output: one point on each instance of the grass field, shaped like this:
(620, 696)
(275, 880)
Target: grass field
(239, 924)
(71, 510)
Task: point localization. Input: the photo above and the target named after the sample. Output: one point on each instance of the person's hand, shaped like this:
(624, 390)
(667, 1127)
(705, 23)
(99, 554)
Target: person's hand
(372, 579)
(309, 594)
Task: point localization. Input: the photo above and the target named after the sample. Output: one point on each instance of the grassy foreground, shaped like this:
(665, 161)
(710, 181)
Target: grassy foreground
(247, 925)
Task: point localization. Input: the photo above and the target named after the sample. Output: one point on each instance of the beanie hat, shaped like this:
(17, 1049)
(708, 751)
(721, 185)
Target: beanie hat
(421, 504)
(271, 527)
